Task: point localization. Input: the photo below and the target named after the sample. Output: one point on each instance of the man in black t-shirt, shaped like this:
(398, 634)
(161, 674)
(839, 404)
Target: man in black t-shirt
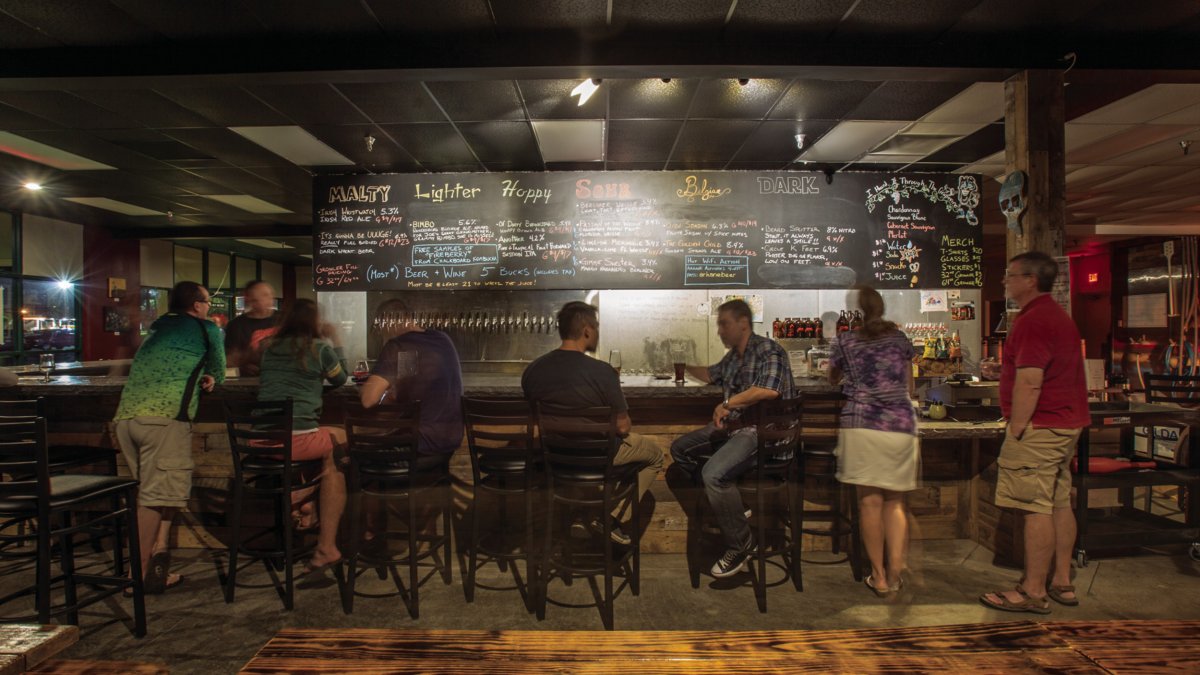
(245, 335)
(568, 377)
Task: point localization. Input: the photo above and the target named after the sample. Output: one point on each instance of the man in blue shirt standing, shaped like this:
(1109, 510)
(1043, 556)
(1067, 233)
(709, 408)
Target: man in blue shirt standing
(755, 369)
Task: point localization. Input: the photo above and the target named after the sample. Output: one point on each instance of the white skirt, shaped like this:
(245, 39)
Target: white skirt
(889, 460)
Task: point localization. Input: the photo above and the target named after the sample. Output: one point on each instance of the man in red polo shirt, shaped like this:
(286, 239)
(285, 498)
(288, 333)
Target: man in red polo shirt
(1043, 393)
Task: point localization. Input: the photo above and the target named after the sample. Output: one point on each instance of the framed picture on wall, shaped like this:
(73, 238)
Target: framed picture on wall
(116, 320)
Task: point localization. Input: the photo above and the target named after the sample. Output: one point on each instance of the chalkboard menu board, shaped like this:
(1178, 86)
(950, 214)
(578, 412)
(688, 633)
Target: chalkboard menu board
(642, 230)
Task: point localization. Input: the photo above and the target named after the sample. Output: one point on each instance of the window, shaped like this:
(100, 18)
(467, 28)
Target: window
(153, 304)
(7, 325)
(7, 241)
(48, 318)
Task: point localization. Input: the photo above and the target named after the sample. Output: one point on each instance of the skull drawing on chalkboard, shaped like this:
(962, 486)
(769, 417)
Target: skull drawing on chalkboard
(1012, 200)
(968, 192)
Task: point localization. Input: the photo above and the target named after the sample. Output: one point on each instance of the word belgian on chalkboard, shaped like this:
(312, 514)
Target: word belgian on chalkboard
(643, 230)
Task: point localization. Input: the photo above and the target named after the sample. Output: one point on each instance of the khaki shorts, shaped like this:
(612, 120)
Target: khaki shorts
(1035, 470)
(158, 451)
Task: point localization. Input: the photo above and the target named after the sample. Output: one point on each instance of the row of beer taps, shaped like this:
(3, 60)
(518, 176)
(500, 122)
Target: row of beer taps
(479, 322)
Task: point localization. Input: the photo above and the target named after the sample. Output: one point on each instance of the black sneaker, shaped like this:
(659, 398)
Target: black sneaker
(616, 534)
(732, 562)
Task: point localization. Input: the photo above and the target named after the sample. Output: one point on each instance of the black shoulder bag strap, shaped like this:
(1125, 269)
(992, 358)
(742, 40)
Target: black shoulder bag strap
(195, 376)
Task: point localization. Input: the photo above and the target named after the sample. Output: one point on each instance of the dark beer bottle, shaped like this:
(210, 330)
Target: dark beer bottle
(857, 321)
(843, 324)
(777, 328)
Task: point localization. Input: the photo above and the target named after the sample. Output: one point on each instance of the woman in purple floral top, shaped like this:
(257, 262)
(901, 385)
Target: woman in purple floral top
(877, 448)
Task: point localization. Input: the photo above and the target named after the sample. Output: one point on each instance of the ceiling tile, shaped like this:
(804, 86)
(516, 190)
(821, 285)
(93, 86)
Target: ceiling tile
(225, 106)
(822, 99)
(94, 148)
(17, 35)
(849, 140)
(975, 147)
(227, 146)
(690, 15)
(12, 119)
(574, 166)
(242, 182)
(193, 20)
(502, 142)
(309, 104)
(63, 108)
(314, 17)
(814, 18)
(478, 101)
(980, 103)
(443, 16)
(1079, 135)
(434, 145)
(904, 100)
(552, 99)
(351, 142)
(572, 15)
(1133, 177)
(1189, 115)
(143, 107)
(291, 178)
(775, 140)
(1150, 103)
(634, 166)
(182, 181)
(1136, 138)
(80, 23)
(650, 98)
(727, 99)
(918, 21)
(641, 140)
(1091, 175)
(703, 141)
(393, 102)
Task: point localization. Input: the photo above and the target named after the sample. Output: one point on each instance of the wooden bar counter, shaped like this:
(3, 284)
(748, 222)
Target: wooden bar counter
(945, 506)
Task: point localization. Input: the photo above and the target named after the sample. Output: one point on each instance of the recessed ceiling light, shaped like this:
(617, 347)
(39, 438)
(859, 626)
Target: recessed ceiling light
(115, 206)
(25, 148)
(294, 144)
(32, 186)
(743, 81)
(585, 89)
(248, 203)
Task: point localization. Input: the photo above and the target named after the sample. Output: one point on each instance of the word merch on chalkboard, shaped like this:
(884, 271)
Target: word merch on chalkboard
(633, 230)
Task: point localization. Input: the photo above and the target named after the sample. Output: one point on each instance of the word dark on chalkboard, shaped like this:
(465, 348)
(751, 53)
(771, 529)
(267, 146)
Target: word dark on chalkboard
(645, 230)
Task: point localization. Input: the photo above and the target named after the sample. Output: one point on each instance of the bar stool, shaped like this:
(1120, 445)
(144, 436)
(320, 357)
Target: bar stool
(65, 457)
(505, 463)
(578, 447)
(385, 465)
(260, 438)
(777, 425)
(49, 502)
(820, 420)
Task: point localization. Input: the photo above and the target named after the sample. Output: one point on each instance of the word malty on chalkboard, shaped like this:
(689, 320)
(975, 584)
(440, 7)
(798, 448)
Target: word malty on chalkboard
(633, 230)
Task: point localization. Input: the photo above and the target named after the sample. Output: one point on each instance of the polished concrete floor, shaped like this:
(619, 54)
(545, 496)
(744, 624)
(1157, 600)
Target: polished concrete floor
(192, 630)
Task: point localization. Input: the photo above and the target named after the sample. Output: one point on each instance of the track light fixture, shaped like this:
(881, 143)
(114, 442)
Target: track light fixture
(585, 89)
(1185, 146)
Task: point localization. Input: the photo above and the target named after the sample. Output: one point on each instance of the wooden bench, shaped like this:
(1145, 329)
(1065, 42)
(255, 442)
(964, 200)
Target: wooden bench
(24, 645)
(1022, 646)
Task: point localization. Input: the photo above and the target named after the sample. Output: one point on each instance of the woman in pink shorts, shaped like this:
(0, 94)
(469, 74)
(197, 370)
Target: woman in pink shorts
(300, 358)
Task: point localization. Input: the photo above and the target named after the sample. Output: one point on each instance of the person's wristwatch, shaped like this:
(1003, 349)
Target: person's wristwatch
(725, 404)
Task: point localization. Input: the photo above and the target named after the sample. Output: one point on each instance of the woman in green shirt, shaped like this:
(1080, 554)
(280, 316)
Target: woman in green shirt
(303, 355)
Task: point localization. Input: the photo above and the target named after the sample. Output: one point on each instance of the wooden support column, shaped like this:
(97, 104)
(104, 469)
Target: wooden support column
(1033, 143)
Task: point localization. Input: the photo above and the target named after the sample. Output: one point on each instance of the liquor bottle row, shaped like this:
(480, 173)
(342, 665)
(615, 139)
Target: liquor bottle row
(814, 328)
(932, 343)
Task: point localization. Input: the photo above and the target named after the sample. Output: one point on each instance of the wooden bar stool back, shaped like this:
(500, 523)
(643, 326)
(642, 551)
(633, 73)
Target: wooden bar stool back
(386, 467)
(505, 464)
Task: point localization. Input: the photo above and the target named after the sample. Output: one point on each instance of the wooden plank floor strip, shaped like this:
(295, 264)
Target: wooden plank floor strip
(1064, 661)
(1125, 633)
(565, 646)
(95, 667)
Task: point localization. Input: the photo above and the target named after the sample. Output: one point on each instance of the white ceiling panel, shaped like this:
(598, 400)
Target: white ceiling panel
(850, 140)
(1145, 174)
(1189, 115)
(1090, 175)
(1130, 140)
(981, 103)
(1148, 104)
(1079, 135)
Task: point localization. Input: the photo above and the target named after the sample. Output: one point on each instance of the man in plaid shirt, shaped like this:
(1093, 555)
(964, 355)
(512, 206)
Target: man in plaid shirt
(755, 369)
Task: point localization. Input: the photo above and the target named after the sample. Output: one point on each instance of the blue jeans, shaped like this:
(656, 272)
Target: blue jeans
(732, 455)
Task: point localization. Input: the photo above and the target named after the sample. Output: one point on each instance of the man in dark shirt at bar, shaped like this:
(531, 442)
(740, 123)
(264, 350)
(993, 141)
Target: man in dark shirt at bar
(420, 364)
(245, 336)
(755, 369)
(569, 378)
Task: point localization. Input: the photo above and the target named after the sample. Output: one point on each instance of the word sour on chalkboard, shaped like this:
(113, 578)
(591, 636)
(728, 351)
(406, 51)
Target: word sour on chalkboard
(645, 230)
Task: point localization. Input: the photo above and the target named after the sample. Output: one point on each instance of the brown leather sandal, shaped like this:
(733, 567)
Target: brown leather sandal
(1056, 594)
(1027, 604)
